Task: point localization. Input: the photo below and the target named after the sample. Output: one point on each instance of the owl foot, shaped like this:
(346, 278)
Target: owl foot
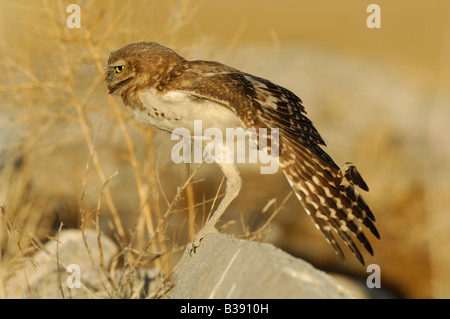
(208, 229)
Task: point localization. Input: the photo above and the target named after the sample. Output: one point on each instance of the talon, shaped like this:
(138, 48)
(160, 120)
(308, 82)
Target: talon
(198, 238)
(192, 250)
(193, 247)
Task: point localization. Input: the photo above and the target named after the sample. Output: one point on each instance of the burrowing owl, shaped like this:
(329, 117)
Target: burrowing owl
(168, 92)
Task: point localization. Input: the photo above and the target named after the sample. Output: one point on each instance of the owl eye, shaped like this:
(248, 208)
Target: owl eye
(119, 68)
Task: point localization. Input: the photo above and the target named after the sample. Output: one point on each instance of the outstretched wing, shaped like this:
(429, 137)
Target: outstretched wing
(313, 175)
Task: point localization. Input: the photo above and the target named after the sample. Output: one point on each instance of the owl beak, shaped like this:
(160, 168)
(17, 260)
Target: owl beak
(112, 89)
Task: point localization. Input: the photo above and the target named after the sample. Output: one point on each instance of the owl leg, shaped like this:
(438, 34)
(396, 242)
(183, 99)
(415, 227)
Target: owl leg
(233, 187)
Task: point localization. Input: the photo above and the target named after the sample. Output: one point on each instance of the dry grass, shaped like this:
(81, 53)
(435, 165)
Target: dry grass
(69, 138)
(70, 154)
(77, 159)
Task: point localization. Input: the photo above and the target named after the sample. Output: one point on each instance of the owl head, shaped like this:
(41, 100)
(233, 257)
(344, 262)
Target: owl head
(139, 65)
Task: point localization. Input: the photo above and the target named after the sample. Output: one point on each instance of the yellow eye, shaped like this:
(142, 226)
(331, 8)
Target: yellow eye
(119, 68)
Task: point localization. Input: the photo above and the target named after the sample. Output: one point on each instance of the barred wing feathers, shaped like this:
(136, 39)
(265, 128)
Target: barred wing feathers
(334, 206)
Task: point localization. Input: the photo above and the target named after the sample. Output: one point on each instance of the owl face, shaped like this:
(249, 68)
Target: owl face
(118, 74)
(139, 65)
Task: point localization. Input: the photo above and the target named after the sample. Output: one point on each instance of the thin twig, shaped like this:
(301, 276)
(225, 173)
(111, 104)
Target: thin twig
(10, 229)
(57, 262)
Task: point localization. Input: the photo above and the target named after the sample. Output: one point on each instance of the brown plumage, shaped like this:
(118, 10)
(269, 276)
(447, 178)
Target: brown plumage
(167, 91)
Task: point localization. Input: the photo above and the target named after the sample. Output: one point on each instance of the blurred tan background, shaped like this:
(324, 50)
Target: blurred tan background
(379, 97)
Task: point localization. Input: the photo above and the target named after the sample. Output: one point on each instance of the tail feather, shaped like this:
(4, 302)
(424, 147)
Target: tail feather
(332, 205)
